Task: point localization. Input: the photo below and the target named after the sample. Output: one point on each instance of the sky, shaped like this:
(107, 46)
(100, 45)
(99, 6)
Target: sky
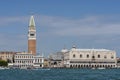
(87, 24)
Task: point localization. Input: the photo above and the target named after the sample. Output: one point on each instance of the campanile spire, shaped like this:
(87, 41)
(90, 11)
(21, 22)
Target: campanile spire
(32, 22)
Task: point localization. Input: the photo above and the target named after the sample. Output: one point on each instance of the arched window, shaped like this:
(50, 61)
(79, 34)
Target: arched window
(87, 56)
(98, 56)
(73, 55)
(105, 56)
(80, 55)
(112, 57)
(93, 56)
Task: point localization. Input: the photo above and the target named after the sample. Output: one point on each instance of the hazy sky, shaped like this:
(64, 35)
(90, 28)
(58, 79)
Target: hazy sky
(59, 23)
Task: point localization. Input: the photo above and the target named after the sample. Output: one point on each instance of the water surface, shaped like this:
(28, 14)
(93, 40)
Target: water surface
(60, 74)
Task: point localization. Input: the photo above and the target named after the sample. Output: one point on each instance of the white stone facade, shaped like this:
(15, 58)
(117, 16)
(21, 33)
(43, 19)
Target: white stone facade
(89, 58)
(27, 60)
(38, 61)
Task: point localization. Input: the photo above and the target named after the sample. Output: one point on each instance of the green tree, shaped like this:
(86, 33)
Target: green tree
(3, 63)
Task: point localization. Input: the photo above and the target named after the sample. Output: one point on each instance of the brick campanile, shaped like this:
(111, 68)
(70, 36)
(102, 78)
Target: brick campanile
(32, 37)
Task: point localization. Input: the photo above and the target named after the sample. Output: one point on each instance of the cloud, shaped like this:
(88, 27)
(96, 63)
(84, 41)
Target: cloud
(5, 21)
(87, 32)
(60, 26)
(90, 25)
(13, 42)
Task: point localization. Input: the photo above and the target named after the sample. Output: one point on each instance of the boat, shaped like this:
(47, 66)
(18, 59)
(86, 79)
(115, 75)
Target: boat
(1, 68)
(101, 68)
(41, 69)
(98, 68)
(93, 68)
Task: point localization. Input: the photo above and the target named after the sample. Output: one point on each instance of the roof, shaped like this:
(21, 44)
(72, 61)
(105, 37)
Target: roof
(7, 52)
(32, 22)
(91, 49)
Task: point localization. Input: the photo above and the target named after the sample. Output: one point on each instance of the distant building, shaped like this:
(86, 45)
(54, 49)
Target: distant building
(27, 60)
(23, 60)
(46, 63)
(56, 60)
(7, 55)
(30, 59)
(84, 58)
(90, 58)
(32, 37)
(38, 61)
(118, 62)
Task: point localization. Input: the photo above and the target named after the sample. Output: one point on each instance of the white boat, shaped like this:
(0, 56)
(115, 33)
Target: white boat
(41, 69)
(101, 68)
(98, 68)
(93, 68)
(2, 68)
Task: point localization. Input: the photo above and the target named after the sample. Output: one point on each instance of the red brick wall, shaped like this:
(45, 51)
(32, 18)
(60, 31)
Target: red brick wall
(32, 46)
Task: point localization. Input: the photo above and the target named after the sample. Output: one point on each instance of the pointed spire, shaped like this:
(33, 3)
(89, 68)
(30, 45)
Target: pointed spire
(74, 46)
(32, 22)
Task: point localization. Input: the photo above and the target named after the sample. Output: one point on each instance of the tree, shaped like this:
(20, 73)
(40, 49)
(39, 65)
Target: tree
(3, 63)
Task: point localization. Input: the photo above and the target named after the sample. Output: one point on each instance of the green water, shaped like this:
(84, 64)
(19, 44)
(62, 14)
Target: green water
(60, 74)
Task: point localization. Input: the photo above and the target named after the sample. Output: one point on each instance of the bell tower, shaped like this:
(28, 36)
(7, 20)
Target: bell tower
(32, 36)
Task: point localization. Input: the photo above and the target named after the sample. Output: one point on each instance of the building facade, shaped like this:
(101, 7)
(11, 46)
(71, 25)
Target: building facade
(7, 55)
(118, 62)
(38, 61)
(56, 60)
(32, 37)
(90, 58)
(28, 60)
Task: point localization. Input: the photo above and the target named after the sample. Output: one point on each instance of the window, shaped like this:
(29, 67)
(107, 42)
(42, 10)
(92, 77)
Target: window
(80, 55)
(31, 34)
(40, 60)
(93, 57)
(105, 56)
(73, 55)
(98, 56)
(112, 57)
(87, 56)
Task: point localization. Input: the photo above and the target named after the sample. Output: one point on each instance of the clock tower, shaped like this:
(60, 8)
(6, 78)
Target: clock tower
(32, 36)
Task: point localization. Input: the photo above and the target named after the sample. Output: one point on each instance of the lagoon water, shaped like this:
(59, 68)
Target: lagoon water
(60, 74)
